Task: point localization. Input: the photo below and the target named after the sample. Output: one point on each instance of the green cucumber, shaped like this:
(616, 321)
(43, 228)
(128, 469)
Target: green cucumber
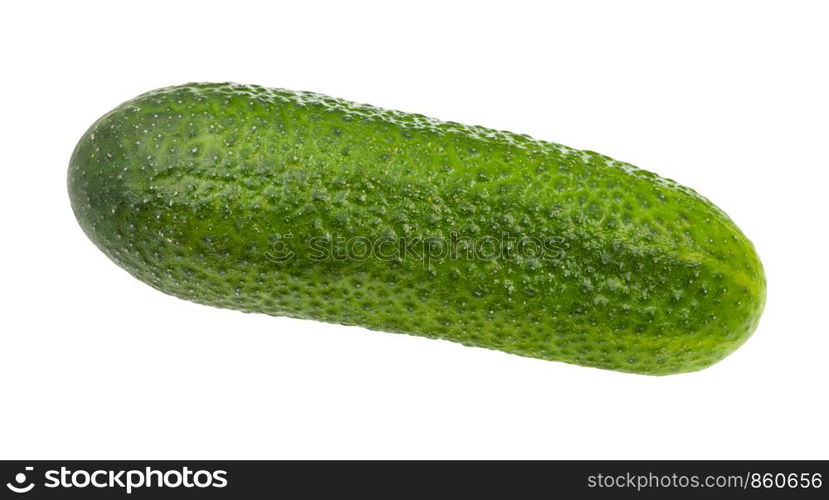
(297, 204)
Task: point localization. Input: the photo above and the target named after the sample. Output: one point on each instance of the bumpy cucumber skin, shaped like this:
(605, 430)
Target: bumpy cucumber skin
(190, 187)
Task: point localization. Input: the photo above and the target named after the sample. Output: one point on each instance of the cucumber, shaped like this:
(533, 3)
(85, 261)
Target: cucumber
(302, 205)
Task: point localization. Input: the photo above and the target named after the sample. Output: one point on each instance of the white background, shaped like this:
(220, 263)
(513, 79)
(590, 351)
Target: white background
(727, 97)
